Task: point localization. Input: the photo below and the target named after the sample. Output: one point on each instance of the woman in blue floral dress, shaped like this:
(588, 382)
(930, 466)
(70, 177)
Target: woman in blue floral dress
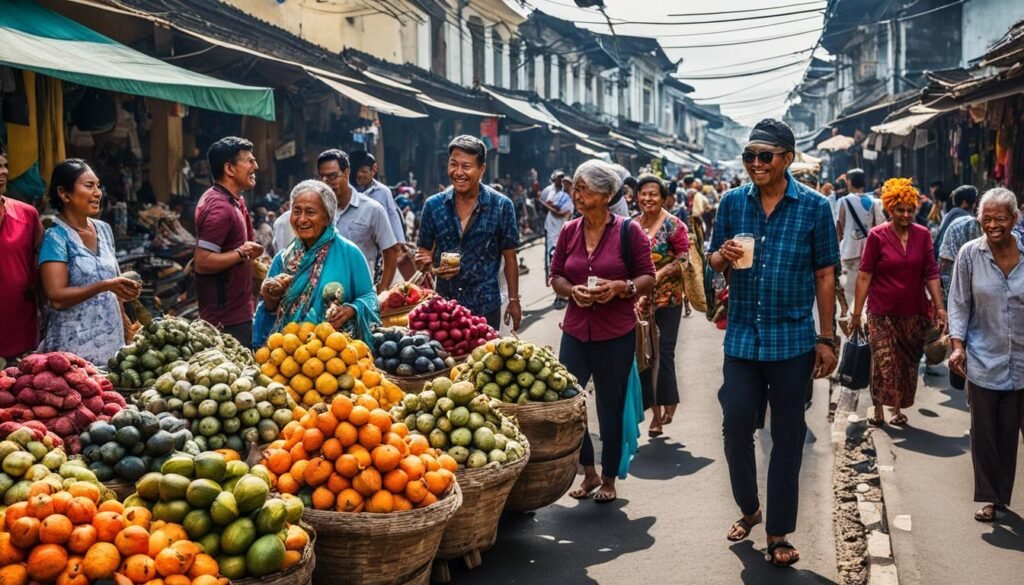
(79, 270)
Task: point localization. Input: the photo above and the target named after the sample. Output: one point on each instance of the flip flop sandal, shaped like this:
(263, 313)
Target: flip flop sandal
(783, 544)
(653, 434)
(604, 499)
(746, 526)
(898, 420)
(666, 420)
(581, 494)
(876, 422)
(987, 513)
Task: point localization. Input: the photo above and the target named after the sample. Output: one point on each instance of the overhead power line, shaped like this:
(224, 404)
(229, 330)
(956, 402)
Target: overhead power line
(622, 22)
(745, 89)
(733, 30)
(745, 42)
(747, 9)
(750, 100)
(720, 67)
(748, 73)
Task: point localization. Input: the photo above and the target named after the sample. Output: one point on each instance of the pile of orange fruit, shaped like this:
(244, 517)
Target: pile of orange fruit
(70, 537)
(351, 456)
(315, 362)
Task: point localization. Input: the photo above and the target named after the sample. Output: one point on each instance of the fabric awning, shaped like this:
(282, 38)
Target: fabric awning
(904, 126)
(36, 39)
(373, 102)
(537, 113)
(591, 152)
(426, 99)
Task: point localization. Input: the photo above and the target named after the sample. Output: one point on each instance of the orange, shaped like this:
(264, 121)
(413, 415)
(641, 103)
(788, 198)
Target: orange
(314, 345)
(430, 462)
(311, 398)
(299, 471)
(292, 328)
(278, 356)
(367, 401)
(291, 343)
(369, 436)
(286, 484)
(335, 366)
(317, 472)
(380, 419)
(362, 455)
(327, 423)
(275, 340)
(341, 407)
(381, 502)
(289, 367)
(415, 491)
(401, 503)
(448, 462)
(395, 441)
(395, 481)
(418, 444)
(326, 354)
(269, 370)
(349, 501)
(413, 467)
(428, 500)
(323, 331)
(355, 371)
(278, 461)
(348, 355)
(312, 439)
(336, 341)
(325, 384)
(301, 383)
(367, 482)
(360, 415)
(347, 433)
(362, 350)
(385, 457)
(298, 453)
(323, 498)
(331, 449)
(262, 355)
(313, 367)
(347, 466)
(371, 377)
(336, 483)
(400, 429)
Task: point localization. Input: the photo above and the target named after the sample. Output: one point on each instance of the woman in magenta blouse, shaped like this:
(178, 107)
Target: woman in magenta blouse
(20, 236)
(896, 267)
(598, 332)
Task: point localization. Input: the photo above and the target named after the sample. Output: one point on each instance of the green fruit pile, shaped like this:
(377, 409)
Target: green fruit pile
(226, 507)
(226, 405)
(456, 418)
(515, 371)
(164, 344)
(25, 460)
(134, 442)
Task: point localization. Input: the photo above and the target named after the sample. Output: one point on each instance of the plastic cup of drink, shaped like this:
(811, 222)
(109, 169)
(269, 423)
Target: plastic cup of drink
(450, 259)
(591, 282)
(746, 242)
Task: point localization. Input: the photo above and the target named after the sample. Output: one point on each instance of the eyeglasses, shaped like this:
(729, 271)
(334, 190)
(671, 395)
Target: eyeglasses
(331, 177)
(765, 156)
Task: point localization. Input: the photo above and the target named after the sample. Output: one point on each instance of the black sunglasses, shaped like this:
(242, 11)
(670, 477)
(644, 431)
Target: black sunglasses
(765, 156)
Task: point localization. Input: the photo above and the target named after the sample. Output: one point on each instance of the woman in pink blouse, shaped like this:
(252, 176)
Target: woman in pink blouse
(598, 332)
(20, 236)
(670, 243)
(896, 267)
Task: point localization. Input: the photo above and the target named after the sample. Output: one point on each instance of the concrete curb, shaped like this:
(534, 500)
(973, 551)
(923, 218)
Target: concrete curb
(871, 510)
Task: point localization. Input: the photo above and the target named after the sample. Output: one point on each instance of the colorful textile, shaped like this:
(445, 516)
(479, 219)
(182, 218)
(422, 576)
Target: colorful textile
(19, 231)
(223, 225)
(331, 259)
(898, 276)
(93, 328)
(632, 416)
(897, 343)
(615, 318)
(670, 244)
(770, 304)
(491, 230)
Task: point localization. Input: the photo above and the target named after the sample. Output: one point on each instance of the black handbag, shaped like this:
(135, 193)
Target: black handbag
(855, 365)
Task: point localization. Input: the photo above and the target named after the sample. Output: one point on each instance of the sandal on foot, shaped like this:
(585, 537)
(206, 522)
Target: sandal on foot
(898, 420)
(666, 420)
(785, 545)
(742, 524)
(987, 513)
(876, 422)
(582, 493)
(654, 433)
(603, 497)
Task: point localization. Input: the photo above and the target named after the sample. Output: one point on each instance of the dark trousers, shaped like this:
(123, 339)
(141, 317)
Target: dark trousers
(242, 332)
(609, 363)
(666, 391)
(995, 423)
(747, 384)
(494, 319)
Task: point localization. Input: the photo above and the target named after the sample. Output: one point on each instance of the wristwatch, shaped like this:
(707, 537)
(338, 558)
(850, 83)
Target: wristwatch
(828, 340)
(242, 255)
(630, 288)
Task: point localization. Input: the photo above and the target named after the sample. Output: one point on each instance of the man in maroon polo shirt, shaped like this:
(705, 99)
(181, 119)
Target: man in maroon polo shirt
(225, 248)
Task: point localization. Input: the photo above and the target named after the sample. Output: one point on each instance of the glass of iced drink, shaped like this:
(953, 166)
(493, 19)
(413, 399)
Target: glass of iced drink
(746, 241)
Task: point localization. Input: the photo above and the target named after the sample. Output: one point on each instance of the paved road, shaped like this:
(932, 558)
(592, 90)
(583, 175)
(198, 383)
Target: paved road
(669, 524)
(932, 483)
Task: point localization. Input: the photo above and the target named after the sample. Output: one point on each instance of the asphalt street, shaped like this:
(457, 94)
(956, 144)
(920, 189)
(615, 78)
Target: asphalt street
(669, 523)
(928, 482)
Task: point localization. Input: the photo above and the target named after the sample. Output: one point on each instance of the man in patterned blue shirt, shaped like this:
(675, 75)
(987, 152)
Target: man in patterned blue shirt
(771, 351)
(480, 224)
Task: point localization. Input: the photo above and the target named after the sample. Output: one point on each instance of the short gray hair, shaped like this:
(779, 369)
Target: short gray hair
(600, 177)
(1000, 196)
(320, 188)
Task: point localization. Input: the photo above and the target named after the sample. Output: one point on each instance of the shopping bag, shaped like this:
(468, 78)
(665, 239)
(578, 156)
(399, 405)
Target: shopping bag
(855, 364)
(693, 279)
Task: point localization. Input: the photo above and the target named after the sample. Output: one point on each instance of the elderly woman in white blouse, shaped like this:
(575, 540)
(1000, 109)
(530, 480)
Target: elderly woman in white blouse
(986, 327)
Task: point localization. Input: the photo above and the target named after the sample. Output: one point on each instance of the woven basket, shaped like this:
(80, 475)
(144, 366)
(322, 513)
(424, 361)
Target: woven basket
(542, 483)
(484, 491)
(121, 488)
(554, 429)
(414, 384)
(380, 549)
(301, 573)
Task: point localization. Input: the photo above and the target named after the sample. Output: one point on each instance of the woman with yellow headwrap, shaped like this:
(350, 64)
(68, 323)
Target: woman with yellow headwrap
(896, 267)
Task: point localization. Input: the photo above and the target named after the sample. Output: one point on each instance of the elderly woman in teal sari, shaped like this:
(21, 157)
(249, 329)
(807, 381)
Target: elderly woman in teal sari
(320, 276)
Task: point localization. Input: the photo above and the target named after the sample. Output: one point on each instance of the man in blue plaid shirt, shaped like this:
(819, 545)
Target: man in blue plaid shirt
(771, 350)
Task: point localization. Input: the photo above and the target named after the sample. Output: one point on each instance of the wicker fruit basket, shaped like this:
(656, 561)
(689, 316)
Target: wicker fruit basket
(553, 429)
(301, 573)
(542, 483)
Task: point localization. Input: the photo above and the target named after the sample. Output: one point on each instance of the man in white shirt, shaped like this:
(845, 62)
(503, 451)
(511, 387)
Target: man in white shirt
(360, 219)
(560, 208)
(858, 213)
(283, 234)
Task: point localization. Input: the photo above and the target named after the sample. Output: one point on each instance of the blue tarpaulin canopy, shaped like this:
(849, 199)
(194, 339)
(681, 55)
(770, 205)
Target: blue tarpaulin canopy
(37, 39)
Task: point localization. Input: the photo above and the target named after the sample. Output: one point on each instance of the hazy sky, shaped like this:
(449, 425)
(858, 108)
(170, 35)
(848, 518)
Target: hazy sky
(745, 99)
